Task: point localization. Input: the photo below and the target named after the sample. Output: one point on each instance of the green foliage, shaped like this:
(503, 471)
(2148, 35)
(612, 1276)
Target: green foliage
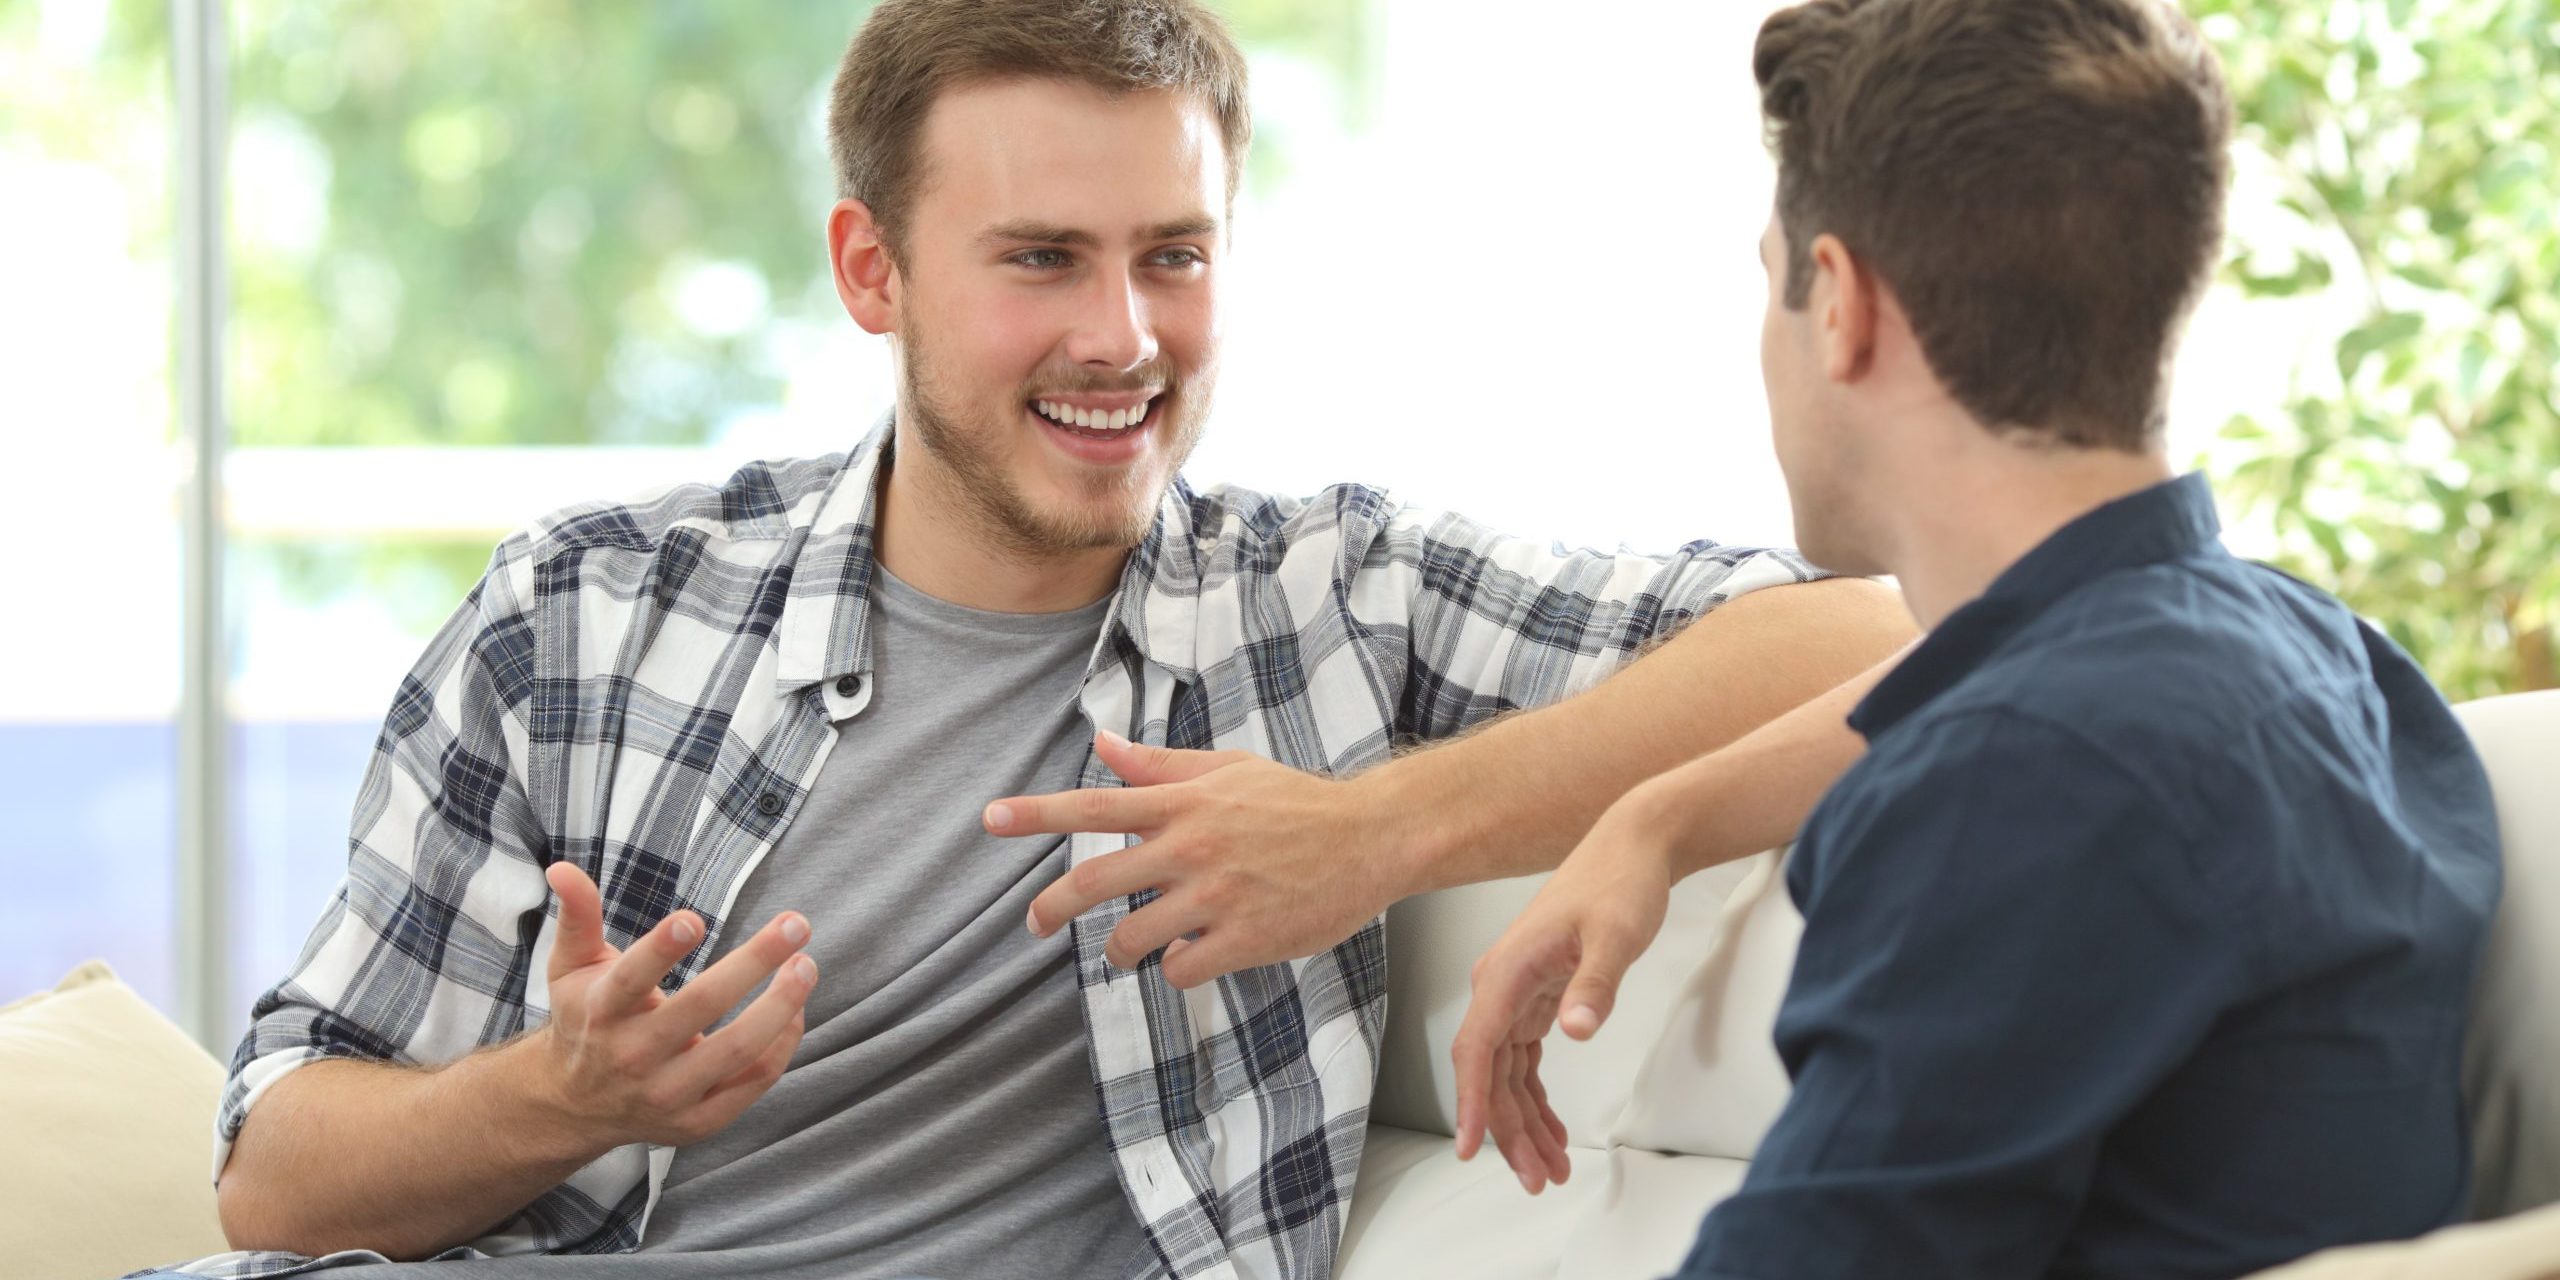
(2416, 144)
(505, 222)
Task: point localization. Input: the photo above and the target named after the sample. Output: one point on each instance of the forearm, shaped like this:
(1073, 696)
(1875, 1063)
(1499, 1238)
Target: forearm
(1514, 798)
(400, 1160)
(1754, 794)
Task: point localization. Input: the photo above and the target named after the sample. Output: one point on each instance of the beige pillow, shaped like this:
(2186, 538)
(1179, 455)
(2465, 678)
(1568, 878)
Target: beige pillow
(2524, 1247)
(106, 1122)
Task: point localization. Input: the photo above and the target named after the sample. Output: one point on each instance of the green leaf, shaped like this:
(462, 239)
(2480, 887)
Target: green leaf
(2383, 334)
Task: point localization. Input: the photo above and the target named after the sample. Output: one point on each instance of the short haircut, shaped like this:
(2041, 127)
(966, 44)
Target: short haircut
(909, 51)
(2040, 183)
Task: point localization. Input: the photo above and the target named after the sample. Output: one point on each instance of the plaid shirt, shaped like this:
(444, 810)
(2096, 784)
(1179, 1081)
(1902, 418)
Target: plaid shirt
(649, 690)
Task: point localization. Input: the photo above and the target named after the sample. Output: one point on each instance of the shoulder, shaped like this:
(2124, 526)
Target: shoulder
(1238, 530)
(620, 542)
(1978, 804)
(2179, 672)
(761, 501)
(1228, 513)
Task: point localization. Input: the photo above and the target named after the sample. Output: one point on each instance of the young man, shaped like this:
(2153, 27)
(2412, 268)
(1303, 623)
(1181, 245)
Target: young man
(2138, 942)
(744, 736)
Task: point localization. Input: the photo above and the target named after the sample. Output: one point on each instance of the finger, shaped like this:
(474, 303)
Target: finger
(580, 939)
(1535, 1118)
(723, 1054)
(1510, 1129)
(1126, 810)
(738, 1092)
(1507, 988)
(1159, 924)
(1471, 1054)
(635, 977)
(1144, 765)
(1546, 1110)
(718, 989)
(1207, 958)
(1606, 953)
(1098, 880)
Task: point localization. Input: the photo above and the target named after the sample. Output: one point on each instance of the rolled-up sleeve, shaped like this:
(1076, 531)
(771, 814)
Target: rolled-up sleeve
(425, 949)
(1496, 623)
(1990, 979)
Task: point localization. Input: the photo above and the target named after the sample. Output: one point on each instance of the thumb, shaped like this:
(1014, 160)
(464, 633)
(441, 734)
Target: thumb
(581, 938)
(1142, 765)
(1594, 989)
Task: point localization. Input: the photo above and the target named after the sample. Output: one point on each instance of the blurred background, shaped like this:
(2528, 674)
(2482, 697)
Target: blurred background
(480, 259)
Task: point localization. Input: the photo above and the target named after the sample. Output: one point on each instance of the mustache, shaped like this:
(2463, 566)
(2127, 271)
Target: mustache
(1153, 378)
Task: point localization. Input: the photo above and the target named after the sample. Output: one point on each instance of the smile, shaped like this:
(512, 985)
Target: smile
(1095, 422)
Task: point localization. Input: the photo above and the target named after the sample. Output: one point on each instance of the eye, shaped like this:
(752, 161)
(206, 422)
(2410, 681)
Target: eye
(1182, 257)
(1041, 259)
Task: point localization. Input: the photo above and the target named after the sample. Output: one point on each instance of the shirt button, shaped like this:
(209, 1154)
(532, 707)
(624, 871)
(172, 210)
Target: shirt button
(847, 686)
(768, 804)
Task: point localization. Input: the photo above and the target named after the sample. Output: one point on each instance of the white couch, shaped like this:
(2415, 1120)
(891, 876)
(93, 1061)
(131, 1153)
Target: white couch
(1666, 1105)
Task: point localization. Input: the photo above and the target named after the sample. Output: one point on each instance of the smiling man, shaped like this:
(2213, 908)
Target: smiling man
(746, 737)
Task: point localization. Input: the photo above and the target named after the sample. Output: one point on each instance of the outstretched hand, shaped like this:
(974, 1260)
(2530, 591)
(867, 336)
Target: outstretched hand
(1560, 962)
(1253, 862)
(631, 1063)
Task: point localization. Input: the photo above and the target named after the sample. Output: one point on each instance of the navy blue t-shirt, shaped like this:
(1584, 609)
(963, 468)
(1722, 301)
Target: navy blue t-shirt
(2139, 943)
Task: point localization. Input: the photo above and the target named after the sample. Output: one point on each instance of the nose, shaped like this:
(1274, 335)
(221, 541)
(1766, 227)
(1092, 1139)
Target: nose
(1112, 330)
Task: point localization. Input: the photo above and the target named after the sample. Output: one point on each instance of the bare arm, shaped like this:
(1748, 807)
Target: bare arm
(1266, 863)
(1753, 795)
(447, 1154)
(1746, 710)
(411, 1161)
(1562, 960)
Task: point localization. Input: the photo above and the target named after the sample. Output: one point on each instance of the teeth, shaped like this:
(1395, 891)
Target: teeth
(1092, 419)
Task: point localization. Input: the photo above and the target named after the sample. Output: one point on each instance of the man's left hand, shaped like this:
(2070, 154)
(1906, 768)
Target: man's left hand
(1254, 862)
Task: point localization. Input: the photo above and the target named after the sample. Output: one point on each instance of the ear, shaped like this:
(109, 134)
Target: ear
(1846, 294)
(866, 277)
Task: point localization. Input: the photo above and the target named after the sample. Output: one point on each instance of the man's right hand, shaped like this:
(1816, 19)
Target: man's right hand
(1561, 961)
(629, 1062)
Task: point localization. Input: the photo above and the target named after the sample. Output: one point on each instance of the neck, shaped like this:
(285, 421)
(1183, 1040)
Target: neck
(1964, 523)
(931, 542)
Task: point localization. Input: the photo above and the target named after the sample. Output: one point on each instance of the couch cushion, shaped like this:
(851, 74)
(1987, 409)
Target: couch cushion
(1625, 1215)
(2512, 1072)
(1663, 1105)
(1685, 1063)
(108, 1130)
(2526, 1247)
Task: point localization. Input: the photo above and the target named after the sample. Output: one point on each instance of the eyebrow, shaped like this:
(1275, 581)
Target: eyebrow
(1028, 232)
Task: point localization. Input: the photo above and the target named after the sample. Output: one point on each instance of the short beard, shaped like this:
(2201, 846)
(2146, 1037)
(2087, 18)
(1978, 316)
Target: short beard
(1116, 513)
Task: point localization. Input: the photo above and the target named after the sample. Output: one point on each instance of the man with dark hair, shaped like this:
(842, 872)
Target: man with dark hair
(673, 751)
(2139, 940)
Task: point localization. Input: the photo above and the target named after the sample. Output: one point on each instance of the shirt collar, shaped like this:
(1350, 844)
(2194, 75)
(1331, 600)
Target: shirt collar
(825, 629)
(2168, 521)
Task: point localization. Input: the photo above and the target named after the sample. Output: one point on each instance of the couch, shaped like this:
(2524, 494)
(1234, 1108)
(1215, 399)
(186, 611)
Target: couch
(1665, 1105)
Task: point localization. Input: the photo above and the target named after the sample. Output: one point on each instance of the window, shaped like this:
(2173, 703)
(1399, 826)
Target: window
(88, 704)
(489, 257)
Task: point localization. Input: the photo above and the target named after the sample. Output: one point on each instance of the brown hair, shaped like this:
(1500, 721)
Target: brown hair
(2040, 182)
(909, 51)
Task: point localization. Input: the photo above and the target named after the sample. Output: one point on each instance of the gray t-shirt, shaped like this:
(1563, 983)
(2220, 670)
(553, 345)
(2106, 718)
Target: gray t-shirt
(939, 1118)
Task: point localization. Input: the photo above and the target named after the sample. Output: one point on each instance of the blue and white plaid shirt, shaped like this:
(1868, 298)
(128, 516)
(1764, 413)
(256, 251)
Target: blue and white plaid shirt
(649, 689)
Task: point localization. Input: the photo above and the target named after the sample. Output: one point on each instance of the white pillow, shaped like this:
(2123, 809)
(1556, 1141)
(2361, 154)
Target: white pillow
(2512, 1067)
(1709, 984)
(105, 1134)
